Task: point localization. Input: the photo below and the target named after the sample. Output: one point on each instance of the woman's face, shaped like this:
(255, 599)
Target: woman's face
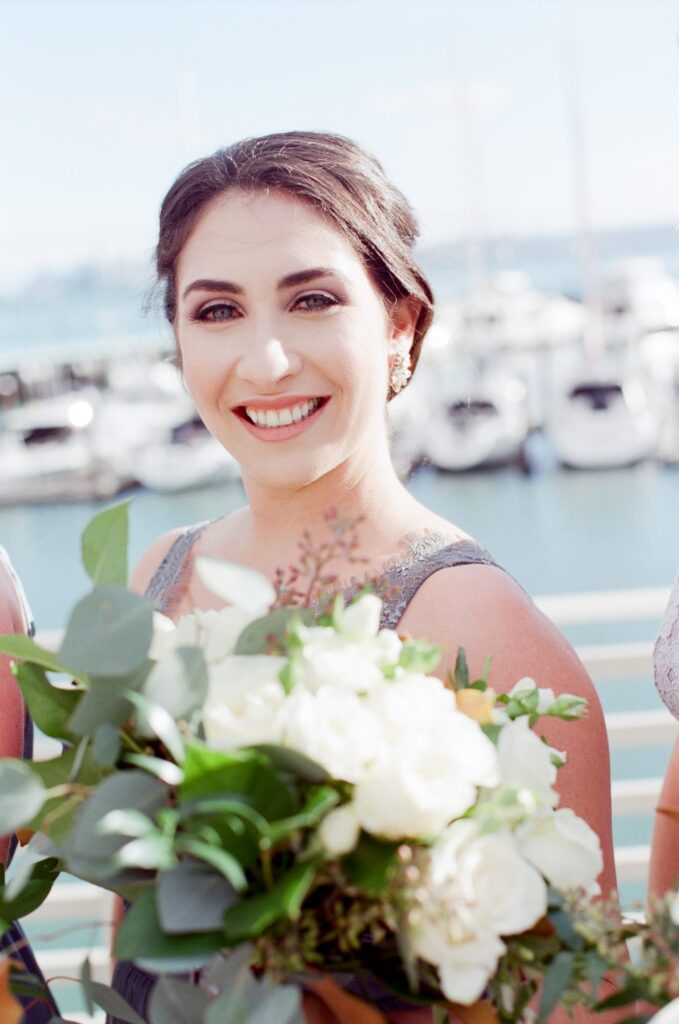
(285, 341)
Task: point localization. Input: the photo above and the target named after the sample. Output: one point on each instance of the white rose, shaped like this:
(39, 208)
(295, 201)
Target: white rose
(411, 703)
(244, 701)
(668, 1015)
(545, 696)
(467, 967)
(339, 830)
(429, 774)
(334, 728)
(219, 631)
(329, 659)
(525, 761)
(487, 873)
(565, 849)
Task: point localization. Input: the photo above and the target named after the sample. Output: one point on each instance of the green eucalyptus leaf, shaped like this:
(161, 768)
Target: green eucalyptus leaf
(556, 980)
(104, 546)
(461, 669)
(92, 854)
(109, 632)
(319, 802)
(152, 852)
(33, 892)
(24, 648)
(86, 982)
(22, 795)
(193, 898)
(174, 1001)
(50, 707)
(280, 1005)
(371, 864)
(141, 938)
(178, 682)
(57, 815)
(271, 630)
(227, 1008)
(113, 1003)
(104, 703)
(252, 916)
(219, 859)
(291, 762)
(245, 773)
(167, 771)
(106, 745)
(154, 720)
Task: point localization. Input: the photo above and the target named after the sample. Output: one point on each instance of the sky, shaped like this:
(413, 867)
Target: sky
(472, 106)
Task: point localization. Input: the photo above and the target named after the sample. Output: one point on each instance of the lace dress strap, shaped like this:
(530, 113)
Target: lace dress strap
(168, 583)
(666, 654)
(430, 553)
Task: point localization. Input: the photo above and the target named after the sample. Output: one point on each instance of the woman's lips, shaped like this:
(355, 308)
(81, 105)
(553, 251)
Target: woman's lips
(275, 415)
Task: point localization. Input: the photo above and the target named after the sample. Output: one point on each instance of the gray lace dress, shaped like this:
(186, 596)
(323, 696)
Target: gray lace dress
(666, 654)
(402, 580)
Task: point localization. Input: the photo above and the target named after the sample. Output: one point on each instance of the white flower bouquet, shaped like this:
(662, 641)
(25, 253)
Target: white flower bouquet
(291, 790)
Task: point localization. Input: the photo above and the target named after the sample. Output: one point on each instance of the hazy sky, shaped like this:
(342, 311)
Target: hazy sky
(468, 103)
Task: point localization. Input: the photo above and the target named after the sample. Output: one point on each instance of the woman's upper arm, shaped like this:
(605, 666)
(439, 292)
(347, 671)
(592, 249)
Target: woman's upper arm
(665, 845)
(12, 620)
(483, 610)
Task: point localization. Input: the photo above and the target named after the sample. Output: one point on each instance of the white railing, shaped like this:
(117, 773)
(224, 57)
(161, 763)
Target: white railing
(625, 729)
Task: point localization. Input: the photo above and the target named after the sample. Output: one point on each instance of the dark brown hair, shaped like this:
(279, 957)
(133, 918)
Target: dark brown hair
(333, 174)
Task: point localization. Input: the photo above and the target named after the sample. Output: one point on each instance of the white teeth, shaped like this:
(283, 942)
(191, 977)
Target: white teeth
(282, 417)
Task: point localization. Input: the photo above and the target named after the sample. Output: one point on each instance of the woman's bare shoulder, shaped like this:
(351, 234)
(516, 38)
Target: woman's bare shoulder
(142, 574)
(483, 609)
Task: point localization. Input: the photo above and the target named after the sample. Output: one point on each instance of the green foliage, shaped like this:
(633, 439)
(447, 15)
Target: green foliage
(292, 763)
(371, 865)
(24, 648)
(246, 773)
(251, 916)
(104, 544)
(141, 938)
(557, 979)
(317, 805)
(50, 707)
(192, 898)
(178, 683)
(109, 633)
(461, 674)
(33, 893)
(419, 656)
(22, 795)
(271, 631)
(174, 1001)
(112, 1002)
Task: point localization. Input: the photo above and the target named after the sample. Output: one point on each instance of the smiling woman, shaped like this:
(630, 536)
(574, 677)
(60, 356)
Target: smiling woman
(299, 312)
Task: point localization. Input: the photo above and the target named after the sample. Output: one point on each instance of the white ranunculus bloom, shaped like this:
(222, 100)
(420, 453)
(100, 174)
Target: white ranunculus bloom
(163, 639)
(339, 830)
(244, 701)
(668, 1015)
(546, 696)
(361, 619)
(430, 771)
(334, 728)
(565, 849)
(331, 658)
(412, 703)
(674, 909)
(525, 761)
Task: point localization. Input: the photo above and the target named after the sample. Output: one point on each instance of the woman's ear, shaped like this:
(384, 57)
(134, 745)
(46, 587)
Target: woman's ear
(404, 316)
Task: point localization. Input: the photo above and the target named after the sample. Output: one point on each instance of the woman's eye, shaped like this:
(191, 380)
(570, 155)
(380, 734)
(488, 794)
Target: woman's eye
(217, 312)
(315, 301)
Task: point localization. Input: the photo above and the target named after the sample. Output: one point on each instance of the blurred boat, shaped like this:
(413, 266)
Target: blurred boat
(638, 296)
(48, 452)
(602, 419)
(659, 359)
(192, 458)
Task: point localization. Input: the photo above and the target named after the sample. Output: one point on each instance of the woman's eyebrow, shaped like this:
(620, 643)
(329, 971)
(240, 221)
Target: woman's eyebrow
(206, 284)
(304, 276)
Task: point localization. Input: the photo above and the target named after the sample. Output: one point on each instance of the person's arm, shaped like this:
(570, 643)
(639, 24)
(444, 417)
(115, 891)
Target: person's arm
(665, 845)
(483, 610)
(12, 620)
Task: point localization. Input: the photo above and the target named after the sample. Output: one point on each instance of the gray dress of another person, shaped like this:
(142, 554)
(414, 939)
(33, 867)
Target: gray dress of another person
(41, 1008)
(403, 579)
(666, 654)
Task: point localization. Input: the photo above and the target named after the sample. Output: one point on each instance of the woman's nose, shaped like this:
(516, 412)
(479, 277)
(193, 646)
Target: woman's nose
(267, 362)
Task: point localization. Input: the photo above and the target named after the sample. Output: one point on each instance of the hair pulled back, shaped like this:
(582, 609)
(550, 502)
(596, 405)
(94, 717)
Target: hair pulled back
(347, 185)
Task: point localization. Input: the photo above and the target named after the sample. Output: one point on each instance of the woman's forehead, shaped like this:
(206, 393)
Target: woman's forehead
(242, 230)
